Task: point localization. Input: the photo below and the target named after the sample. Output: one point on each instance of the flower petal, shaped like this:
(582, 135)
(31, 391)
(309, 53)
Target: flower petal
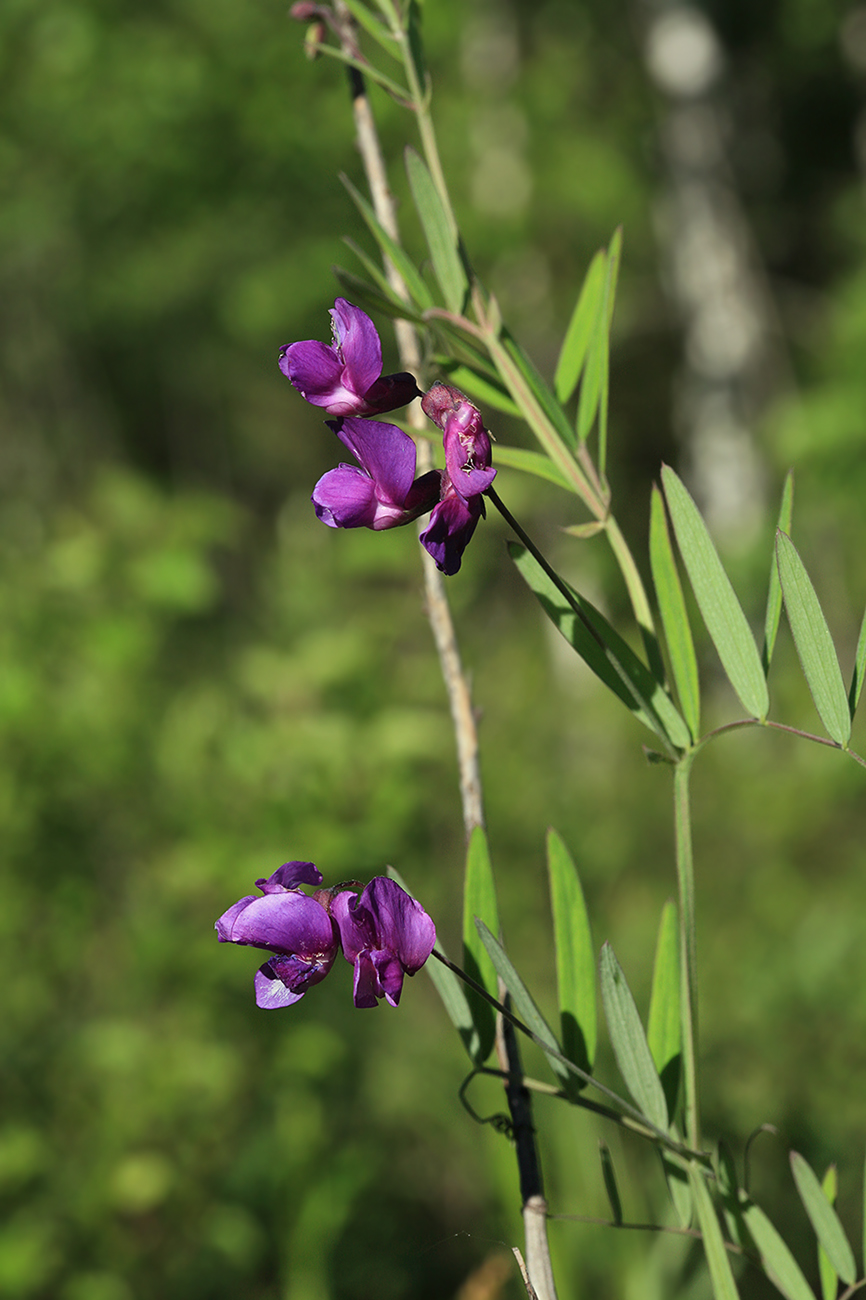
(358, 343)
(272, 993)
(225, 923)
(386, 453)
(357, 931)
(316, 371)
(450, 529)
(289, 876)
(345, 498)
(285, 923)
(404, 928)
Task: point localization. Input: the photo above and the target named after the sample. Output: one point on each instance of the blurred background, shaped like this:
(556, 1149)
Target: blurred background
(198, 681)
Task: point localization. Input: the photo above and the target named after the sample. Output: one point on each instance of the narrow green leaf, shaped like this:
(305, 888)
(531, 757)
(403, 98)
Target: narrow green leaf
(827, 1273)
(479, 900)
(663, 1022)
(373, 26)
(813, 641)
(774, 594)
(605, 652)
(439, 233)
(478, 387)
(411, 277)
(367, 70)
(364, 294)
(726, 1174)
(524, 1005)
(629, 1041)
(779, 1264)
(575, 961)
(721, 611)
(575, 345)
(596, 379)
(678, 1188)
(675, 619)
(859, 669)
(822, 1216)
(540, 391)
(608, 1173)
(724, 1286)
(451, 990)
(530, 462)
(416, 43)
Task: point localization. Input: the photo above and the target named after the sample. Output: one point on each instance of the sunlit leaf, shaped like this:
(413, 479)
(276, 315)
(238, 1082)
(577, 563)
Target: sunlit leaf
(524, 1004)
(575, 345)
(479, 900)
(373, 299)
(663, 1023)
(822, 1216)
(451, 990)
(859, 669)
(575, 960)
(439, 233)
(774, 594)
(530, 462)
(721, 611)
(604, 651)
(411, 277)
(827, 1273)
(813, 641)
(372, 25)
(779, 1264)
(608, 1173)
(675, 619)
(596, 376)
(724, 1286)
(629, 1041)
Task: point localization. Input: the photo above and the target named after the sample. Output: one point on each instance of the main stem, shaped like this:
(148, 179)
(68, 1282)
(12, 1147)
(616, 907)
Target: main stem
(688, 950)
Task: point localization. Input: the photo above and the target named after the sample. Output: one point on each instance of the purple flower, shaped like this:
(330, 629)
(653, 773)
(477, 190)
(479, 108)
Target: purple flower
(467, 442)
(386, 934)
(346, 377)
(451, 526)
(384, 492)
(296, 927)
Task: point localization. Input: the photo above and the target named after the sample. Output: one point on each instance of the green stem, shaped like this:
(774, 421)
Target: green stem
(688, 949)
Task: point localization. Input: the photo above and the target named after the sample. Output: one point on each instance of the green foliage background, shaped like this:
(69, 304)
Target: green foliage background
(198, 681)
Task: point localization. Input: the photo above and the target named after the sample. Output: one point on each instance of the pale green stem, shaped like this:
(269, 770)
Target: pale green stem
(688, 951)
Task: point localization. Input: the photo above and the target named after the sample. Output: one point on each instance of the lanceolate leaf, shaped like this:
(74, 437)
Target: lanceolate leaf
(813, 641)
(479, 900)
(596, 375)
(774, 595)
(663, 1022)
(374, 26)
(530, 462)
(578, 336)
(724, 1287)
(608, 1173)
(721, 611)
(781, 1267)
(448, 986)
(629, 1041)
(439, 233)
(364, 294)
(524, 1004)
(826, 1271)
(675, 620)
(412, 278)
(859, 669)
(824, 1219)
(605, 652)
(575, 961)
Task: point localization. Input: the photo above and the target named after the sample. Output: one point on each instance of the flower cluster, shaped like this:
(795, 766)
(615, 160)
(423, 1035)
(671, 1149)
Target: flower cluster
(381, 491)
(383, 932)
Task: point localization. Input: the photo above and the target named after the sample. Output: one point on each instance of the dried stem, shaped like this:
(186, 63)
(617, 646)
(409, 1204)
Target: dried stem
(438, 611)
